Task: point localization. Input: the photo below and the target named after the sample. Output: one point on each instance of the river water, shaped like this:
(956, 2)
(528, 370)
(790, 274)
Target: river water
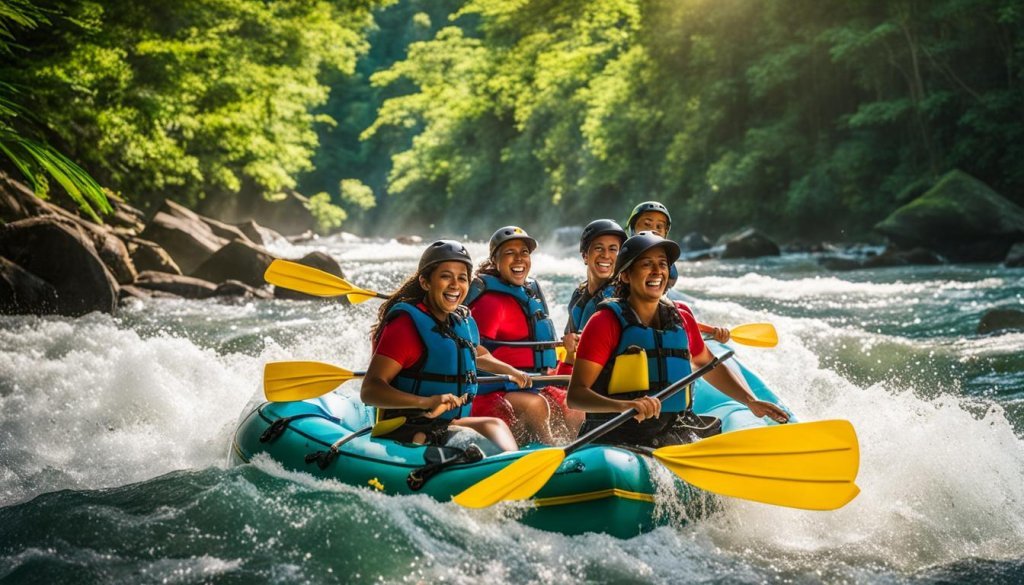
(114, 434)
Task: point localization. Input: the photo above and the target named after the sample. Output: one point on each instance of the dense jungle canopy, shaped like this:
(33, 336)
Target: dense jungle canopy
(804, 118)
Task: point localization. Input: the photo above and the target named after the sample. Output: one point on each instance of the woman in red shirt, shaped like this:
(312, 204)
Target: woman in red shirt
(509, 306)
(640, 318)
(426, 350)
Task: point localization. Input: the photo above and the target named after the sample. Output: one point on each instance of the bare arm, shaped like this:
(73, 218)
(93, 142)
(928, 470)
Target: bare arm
(582, 397)
(727, 382)
(485, 360)
(378, 391)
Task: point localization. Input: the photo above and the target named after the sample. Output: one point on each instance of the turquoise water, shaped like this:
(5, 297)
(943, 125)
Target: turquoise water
(114, 434)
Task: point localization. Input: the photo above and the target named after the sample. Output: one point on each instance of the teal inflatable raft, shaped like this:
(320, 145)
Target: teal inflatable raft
(598, 488)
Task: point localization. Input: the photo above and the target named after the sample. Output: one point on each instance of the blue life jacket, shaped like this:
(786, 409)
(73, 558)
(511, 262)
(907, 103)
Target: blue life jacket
(583, 305)
(535, 308)
(448, 363)
(668, 352)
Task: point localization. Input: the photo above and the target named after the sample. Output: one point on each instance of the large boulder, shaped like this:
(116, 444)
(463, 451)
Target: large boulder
(18, 202)
(148, 255)
(318, 260)
(1001, 319)
(1015, 257)
(175, 284)
(287, 213)
(23, 292)
(187, 238)
(241, 291)
(961, 218)
(694, 242)
(63, 255)
(260, 235)
(748, 243)
(239, 260)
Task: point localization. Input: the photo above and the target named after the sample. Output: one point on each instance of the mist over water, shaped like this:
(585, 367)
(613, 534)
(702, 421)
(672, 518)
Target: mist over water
(114, 434)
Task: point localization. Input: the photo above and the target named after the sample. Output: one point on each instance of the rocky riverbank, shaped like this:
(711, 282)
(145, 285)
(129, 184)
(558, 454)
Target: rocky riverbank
(55, 261)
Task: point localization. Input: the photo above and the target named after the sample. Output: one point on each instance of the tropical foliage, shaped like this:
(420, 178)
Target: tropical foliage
(794, 115)
(22, 135)
(188, 99)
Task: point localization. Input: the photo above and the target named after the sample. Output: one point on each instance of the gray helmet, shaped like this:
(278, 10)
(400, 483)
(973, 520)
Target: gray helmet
(636, 245)
(643, 208)
(597, 228)
(444, 251)
(507, 233)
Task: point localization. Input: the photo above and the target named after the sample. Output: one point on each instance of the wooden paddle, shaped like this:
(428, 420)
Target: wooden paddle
(299, 380)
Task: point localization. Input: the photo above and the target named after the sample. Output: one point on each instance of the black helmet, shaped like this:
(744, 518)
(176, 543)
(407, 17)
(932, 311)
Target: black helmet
(636, 245)
(511, 232)
(444, 251)
(600, 227)
(645, 207)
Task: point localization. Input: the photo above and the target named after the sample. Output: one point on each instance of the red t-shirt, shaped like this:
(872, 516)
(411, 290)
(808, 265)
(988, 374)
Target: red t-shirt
(400, 341)
(500, 317)
(601, 336)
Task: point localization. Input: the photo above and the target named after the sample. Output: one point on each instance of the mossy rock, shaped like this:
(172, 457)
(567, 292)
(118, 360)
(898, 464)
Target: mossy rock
(961, 218)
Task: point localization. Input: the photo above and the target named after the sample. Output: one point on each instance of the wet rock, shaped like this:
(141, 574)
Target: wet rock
(409, 240)
(23, 292)
(748, 243)
(260, 235)
(240, 290)
(318, 260)
(961, 218)
(62, 254)
(187, 238)
(131, 291)
(239, 260)
(840, 264)
(287, 214)
(893, 256)
(1015, 257)
(1000, 320)
(148, 255)
(183, 286)
(695, 242)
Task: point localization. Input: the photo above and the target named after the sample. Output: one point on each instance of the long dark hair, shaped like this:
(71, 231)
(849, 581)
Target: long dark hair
(409, 291)
(488, 267)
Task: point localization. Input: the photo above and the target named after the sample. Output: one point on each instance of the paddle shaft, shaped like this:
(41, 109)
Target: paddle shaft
(665, 394)
(554, 343)
(561, 379)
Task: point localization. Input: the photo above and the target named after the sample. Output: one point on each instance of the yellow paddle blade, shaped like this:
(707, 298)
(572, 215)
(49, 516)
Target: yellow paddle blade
(387, 425)
(801, 465)
(755, 334)
(355, 299)
(290, 381)
(314, 281)
(518, 481)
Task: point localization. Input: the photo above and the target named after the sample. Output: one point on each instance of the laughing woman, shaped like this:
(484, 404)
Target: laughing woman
(510, 307)
(426, 353)
(640, 318)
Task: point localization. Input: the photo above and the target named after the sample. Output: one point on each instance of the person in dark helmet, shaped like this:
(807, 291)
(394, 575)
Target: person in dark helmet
(653, 216)
(639, 317)
(509, 307)
(426, 350)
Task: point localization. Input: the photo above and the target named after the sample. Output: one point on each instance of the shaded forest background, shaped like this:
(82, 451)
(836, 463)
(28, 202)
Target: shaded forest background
(803, 118)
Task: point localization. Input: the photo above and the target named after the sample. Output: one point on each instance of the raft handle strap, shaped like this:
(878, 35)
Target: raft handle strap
(278, 426)
(417, 478)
